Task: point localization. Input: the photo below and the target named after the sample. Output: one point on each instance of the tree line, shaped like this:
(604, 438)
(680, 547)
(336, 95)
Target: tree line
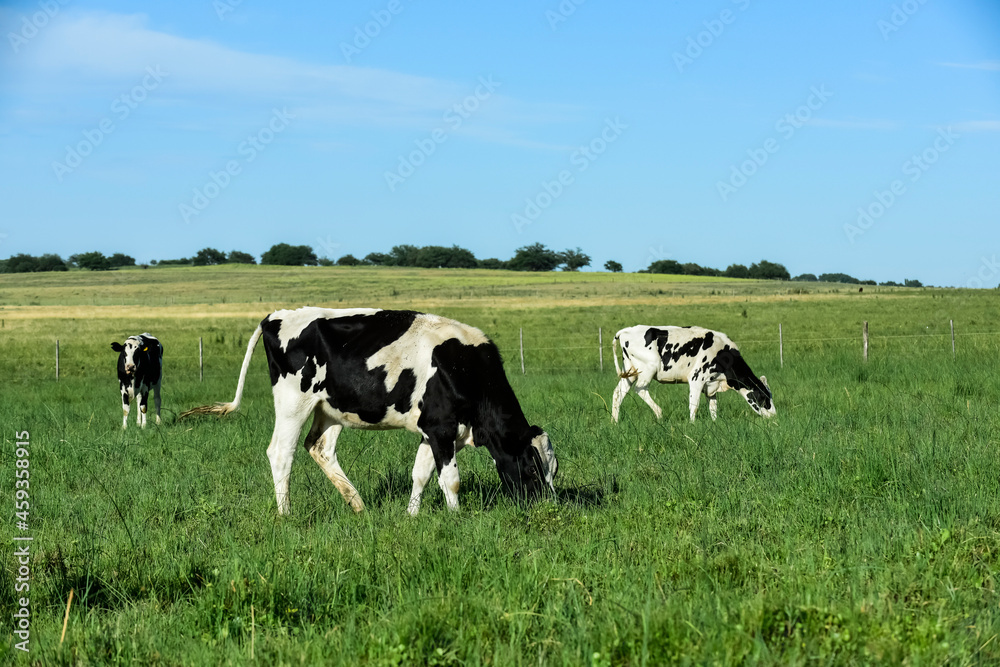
(534, 257)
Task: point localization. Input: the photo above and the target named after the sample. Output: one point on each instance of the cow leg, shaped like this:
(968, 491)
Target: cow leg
(288, 423)
(321, 443)
(616, 401)
(423, 467)
(441, 440)
(156, 401)
(713, 407)
(642, 389)
(140, 418)
(694, 397)
(125, 408)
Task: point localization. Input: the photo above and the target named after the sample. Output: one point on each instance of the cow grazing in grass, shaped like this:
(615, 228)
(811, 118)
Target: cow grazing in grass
(382, 369)
(140, 368)
(706, 360)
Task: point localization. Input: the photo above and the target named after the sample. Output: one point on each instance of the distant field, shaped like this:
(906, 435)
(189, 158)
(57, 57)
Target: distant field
(859, 526)
(329, 286)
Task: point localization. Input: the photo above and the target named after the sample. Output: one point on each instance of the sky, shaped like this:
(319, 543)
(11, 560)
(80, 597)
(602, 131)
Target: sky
(859, 137)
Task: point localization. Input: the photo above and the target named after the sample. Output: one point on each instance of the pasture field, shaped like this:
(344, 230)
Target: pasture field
(861, 525)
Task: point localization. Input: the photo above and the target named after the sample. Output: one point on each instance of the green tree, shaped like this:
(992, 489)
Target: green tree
(237, 257)
(120, 259)
(574, 260)
(434, 256)
(51, 262)
(403, 255)
(209, 257)
(612, 266)
(534, 257)
(805, 278)
(765, 270)
(348, 260)
(94, 261)
(671, 266)
(912, 283)
(377, 259)
(283, 254)
(737, 271)
(837, 278)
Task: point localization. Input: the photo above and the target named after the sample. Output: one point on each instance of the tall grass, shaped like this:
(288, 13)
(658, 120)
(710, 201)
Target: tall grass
(858, 526)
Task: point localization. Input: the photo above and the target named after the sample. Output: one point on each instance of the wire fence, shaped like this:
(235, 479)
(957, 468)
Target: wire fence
(528, 351)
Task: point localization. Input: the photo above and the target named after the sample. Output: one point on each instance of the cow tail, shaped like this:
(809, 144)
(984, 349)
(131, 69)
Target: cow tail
(221, 409)
(614, 355)
(629, 374)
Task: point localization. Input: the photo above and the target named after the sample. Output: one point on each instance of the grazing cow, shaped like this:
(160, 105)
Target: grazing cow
(382, 369)
(140, 368)
(707, 360)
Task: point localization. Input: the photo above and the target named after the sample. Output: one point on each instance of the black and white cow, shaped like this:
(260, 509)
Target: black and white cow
(706, 360)
(382, 369)
(140, 368)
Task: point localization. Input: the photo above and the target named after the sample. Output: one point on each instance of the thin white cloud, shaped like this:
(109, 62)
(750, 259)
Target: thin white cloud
(977, 126)
(854, 123)
(988, 65)
(112, 48)
(91, 54)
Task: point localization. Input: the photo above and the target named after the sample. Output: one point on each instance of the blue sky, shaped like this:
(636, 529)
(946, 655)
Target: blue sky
(859, 137)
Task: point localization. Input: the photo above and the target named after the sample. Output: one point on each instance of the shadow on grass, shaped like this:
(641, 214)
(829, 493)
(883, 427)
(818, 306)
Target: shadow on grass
(480, 492)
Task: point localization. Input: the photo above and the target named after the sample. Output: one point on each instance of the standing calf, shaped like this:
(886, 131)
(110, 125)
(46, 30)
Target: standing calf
(140, 368)
(383, 369)
(706, 360)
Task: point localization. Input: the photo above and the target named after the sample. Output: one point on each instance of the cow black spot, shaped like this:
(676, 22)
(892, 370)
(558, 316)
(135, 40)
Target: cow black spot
(401, 396)
(344, 345)
(308, 373)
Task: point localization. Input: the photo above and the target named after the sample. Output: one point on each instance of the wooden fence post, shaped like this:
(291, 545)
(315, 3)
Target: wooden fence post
(864, 339)
(781, 346)
(952, 323)
(521, 338)
(57, 359)
(201, 361)
(600, 347)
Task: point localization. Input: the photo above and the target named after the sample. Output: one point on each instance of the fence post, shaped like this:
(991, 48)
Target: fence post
(521, 337)
(57, 359)
(864, 339)
(600, 347)
(201, 361)
(952, 323)
(781, 346)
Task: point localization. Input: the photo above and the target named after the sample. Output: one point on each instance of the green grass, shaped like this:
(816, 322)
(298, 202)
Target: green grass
(858, 526)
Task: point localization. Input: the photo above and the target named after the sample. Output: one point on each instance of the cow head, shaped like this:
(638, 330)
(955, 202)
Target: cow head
(530, 474)
(130, 353)
(758, 396)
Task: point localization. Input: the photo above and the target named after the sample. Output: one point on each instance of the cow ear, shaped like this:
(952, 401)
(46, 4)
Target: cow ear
(117, 347)
(764, 380)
